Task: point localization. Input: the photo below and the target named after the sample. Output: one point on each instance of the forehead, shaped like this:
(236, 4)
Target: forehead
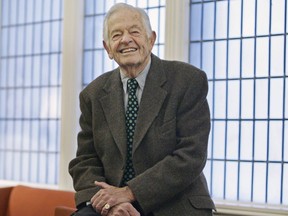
(124, 19)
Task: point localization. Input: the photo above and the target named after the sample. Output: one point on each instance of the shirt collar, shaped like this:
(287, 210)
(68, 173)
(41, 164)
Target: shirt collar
(141, 78)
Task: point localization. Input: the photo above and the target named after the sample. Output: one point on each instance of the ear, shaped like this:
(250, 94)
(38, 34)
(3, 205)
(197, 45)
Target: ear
(107, 48)
(152, 39)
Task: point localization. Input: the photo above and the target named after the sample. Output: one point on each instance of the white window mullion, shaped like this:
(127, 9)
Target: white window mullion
(177, 30)
(71, 86)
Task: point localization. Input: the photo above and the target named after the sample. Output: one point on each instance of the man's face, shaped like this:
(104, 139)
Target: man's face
(128, 42)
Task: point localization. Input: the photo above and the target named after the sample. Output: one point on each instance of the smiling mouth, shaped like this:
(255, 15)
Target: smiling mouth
(128, 50)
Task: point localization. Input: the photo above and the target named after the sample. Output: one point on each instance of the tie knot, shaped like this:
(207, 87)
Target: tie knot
(132, 85)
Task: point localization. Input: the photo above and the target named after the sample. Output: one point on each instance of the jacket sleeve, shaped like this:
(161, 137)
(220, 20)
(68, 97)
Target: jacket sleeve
(178, 170)
(86, 167)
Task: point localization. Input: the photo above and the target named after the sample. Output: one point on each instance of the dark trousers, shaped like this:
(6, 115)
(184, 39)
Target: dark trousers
(89, 211)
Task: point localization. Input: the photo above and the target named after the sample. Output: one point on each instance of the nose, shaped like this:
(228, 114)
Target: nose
(126, 38)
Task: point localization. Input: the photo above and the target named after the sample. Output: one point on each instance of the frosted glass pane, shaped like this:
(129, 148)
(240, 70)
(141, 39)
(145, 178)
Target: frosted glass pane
(195, 54)
(234, 59)
(274, 183)
(259, 183)
(98, 32)
(231, 180)
(207, 173)
(88, 33)
(285, 186)
(275, 138)
(248, 58)
(207, 62)
(218, 179)
(276, 98)
(235, 19)
(263, 8)
(278, 16)
(247, 103)
(220, 99)
(232, 140)
(262, 57)
(286, 100)
(248, 15)
(286, 142)
(220, 59)
(98, 63)
(221, 19)
(219, 139)
(210, 96)
(246, 151)
(245, 182)
(195, 24)
(208, 21)
(277, 56)
(261, 101)
(89, 6)
(2, 106)
(260, 140)
(233, 99)
(87, 67)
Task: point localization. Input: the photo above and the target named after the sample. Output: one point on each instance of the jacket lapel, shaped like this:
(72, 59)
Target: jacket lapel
(152, 99)
(113, 106)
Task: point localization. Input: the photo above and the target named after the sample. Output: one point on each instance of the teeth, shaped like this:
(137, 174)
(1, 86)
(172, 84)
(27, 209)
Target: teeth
(128, 50)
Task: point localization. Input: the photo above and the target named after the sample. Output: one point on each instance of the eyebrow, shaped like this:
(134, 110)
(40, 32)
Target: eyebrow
(133, 26)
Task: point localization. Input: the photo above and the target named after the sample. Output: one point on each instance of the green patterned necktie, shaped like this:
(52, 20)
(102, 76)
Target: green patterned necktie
(131, 116)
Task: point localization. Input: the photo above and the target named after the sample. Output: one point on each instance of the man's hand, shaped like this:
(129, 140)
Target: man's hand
(123, 209)
(110, 196)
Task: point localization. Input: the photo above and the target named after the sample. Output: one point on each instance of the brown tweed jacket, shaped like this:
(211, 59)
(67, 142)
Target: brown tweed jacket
(170, 141)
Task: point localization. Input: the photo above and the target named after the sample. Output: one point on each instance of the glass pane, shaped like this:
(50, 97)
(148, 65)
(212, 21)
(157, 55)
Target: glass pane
(232, 140)
(221, 19)
(235, 19)
(246, 152)
(259, 186)
(275, 140)
(277, 56)
(248, 58)
(261, 102)
(261, 139)
(274, 183)
(219, 135)
(247, 102)
(207, 64)
(245, 181)
(234, 59)
(231, 180)
(208, 21)
(195, 54)
(218, 179)
(220, 99)
(276, 98)
(278, 16)
(248, 15)
(263, 8)
(221, 59)
(233, 99)
(262, 57)
(195, 26)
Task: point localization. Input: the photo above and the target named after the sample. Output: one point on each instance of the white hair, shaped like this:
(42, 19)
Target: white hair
(119, 6)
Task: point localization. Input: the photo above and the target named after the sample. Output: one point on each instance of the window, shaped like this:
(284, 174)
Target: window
(95, 58)
(30, 87)
(242, 46)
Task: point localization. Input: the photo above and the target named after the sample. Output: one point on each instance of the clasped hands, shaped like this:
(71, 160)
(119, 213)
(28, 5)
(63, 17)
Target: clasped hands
(113, 201)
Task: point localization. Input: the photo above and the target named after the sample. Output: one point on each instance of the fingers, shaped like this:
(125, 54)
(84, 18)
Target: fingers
(102, 184)
(123, 209)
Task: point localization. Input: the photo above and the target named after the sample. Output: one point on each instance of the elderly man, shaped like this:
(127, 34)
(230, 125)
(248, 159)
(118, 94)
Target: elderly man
(144, 129)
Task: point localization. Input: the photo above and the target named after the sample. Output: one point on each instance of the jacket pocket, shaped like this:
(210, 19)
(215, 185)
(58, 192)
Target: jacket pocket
(202, 202)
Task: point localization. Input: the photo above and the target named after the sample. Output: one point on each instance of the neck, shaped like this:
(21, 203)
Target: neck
(133, 70)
